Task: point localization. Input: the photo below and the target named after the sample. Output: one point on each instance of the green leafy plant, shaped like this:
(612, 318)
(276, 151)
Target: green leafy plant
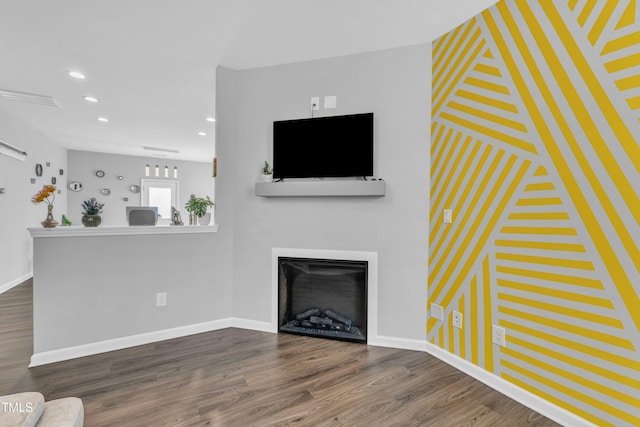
(65, 220)
(92, 207)
(266, 170)
(198, 205)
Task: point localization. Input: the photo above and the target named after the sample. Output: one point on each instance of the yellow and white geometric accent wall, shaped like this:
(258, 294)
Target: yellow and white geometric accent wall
(536, 149)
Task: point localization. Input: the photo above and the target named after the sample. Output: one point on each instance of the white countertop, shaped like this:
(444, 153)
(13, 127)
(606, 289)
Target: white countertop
(119, 230)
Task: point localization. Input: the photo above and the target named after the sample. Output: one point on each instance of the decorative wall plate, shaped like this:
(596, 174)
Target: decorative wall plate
(33, 180)
(38, 169)
(105, 191)
(61, 172)
(100, 174)
(134, 188)
(75, 186)
(120, 177)
(53, 180)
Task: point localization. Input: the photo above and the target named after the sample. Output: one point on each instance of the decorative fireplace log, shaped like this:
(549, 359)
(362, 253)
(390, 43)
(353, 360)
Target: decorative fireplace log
(320, 320)
(338, 318)
(307, 314)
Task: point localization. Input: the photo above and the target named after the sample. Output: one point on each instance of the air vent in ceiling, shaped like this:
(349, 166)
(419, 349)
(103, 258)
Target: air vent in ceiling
(166, 150)
(30, 98)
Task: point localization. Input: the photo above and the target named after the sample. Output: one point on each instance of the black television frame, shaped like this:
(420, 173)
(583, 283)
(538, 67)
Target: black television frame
(344, 161)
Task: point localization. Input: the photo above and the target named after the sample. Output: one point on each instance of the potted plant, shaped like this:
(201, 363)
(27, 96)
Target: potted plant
(91, 213)
(197, 208)
(267, 172)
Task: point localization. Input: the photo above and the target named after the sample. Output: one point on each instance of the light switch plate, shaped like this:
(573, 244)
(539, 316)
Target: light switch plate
(457, 319)
(315, 103)
(448, 216)
(330, 101)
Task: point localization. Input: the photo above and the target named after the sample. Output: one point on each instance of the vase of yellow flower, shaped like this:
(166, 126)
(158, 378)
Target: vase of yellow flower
(47, 195)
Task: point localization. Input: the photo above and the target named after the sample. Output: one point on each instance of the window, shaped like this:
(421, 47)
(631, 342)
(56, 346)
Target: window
(160, 193)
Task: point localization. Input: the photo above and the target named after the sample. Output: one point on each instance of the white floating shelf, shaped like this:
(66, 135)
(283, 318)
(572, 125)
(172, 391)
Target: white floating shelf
(320, 188)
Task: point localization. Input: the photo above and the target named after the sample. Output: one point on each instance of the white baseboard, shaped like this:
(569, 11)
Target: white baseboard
(16, 282)
(253, 325)
(400, 343)
(530, 400)
(59, 355)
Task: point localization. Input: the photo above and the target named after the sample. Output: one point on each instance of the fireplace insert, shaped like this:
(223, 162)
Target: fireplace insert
(323, 298)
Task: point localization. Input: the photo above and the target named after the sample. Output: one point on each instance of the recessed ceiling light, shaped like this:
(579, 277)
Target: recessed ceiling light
(211, 119)
(202, 133)
(90, 98)
(103, 119)
(77, 75)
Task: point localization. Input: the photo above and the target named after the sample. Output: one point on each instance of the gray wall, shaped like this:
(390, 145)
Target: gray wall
(16, 210)
(395, 85)
(193, 178)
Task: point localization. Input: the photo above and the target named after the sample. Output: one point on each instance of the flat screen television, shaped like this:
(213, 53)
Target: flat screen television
(338, 146)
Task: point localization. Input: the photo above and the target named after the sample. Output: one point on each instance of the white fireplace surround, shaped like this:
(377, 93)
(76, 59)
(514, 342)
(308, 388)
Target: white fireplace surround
(372, 280)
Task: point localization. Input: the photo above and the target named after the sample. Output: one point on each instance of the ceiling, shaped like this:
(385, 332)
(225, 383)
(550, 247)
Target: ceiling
(151, 63)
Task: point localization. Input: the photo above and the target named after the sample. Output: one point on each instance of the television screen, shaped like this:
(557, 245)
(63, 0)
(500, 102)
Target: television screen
(339, 146)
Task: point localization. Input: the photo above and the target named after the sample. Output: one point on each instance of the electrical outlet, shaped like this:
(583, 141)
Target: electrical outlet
(499, 336)
(315, 103)
(448, 216)
(436, 311)
(457, 319)
(161, 299)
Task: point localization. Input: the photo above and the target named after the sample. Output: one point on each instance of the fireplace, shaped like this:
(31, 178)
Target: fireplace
(323, 297)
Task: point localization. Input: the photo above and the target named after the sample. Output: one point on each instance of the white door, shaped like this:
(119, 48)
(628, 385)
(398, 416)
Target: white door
(160, 193)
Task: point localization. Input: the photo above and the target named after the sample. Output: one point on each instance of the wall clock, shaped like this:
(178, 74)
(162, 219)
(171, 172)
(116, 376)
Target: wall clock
(75, 186)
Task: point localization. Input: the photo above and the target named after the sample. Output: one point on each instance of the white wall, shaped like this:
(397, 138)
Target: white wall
(393, 84)
(193, 177)
(17, 213)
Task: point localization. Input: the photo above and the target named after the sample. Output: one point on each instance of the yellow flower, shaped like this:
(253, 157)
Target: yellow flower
(44, 194)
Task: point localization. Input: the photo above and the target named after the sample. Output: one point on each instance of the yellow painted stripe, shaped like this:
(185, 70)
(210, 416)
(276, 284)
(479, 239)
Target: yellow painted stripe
(451, 149)
(454, 190)
(563, 310)
(526, 385)
(435, 270)
(488, 317)
(572, 4)
(624, 42)
(552, 277)
(548, 246)
(437, 160)
(578, 362)
(461, 334)
(508, 139)
(540, 186)
(627, 83)
(461, 71)
(570, 328)
(436, 50)
(596, 352)
(623, 284)
(623, 63)
(552, 231)
(462, 46)
(446, 50)
(586, 12)
(552, 292)
(543, 216)
(483, 84)
(634, 103)
(499, 120)
(556, 262)
(539, 201)
(541, 171)
(436, 141)
(449, 54)
(441, 336)
(628, 16)
(601, 21)
(475, 321)
(451, 171)
(488, 229)
(582, 381)
(488, 54)
(435, 249)
(487, 69)
(485, 100)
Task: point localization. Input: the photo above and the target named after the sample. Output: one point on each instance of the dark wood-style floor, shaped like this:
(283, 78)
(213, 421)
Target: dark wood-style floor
(235, 377)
